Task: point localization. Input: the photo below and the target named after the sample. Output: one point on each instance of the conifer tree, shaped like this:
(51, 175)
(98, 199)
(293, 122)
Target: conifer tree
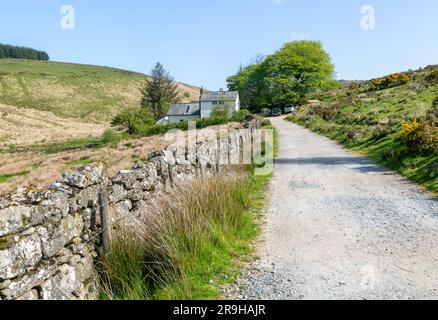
(159, 92)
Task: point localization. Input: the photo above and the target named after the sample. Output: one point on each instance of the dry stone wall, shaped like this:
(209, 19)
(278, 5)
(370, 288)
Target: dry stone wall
(50, 239)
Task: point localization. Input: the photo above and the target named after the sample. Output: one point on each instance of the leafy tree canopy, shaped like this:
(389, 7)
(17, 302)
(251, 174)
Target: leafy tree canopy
(285, 77)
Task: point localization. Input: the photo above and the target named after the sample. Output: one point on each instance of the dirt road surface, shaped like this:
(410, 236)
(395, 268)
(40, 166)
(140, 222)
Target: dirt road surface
(340, 227)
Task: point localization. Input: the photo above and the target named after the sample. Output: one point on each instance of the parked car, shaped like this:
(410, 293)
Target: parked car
(289, 108)
(266, 112)
(276, 112)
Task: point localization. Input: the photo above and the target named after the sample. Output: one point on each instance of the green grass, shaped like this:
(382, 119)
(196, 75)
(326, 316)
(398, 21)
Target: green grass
(8, 177)
(108, 138)
(91, 93)
(81, 162)
(199, 245)
(370, 122)
(36, 166)
(418, 168)
(216, 262)
(268, 125)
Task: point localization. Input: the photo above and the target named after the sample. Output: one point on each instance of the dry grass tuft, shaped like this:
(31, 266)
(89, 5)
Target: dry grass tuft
(181, 241)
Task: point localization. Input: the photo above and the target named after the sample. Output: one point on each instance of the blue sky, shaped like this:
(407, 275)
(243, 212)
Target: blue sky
(201, 42)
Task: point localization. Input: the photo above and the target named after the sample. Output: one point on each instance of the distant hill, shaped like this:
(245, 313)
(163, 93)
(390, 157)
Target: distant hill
(15, 52)
(85, 92)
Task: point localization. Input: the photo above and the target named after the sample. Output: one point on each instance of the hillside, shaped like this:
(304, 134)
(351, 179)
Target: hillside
(370, 120)
(86, 96)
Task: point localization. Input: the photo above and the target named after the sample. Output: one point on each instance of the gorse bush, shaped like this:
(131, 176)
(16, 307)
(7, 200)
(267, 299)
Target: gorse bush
(420, 136)
(392, 80)
(432, 76)
(179, 242)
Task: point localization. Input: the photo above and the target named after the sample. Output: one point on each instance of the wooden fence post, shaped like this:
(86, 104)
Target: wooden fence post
(105, 221)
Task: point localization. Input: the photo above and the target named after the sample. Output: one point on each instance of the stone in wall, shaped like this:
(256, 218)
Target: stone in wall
(3, 203)
(16, 218)
(180, 155)
(125, 178)
(116, 193)
(88, 197)
(85, 176)
(18, 254)
(55, 234)
(120, 210)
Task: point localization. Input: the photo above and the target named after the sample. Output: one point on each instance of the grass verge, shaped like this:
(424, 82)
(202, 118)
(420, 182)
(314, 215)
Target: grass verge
(189, 244)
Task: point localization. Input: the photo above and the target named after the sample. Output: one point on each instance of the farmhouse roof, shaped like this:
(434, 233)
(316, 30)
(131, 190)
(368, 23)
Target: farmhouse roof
(184, 109)
(219, 95)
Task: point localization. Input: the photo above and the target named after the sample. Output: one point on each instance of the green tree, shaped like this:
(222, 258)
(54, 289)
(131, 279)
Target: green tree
(285, 77)
(14, 52)
(253, 88)
(129, 120)
(297, 69)
(159, 92)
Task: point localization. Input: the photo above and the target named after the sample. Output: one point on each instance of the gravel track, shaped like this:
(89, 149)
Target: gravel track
(340, 227)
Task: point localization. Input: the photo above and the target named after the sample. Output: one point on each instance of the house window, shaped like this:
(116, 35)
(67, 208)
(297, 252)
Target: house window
(215, 103)
(188, 110)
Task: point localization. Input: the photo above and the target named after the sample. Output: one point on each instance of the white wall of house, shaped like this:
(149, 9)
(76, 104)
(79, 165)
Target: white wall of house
(237, 103)
(208, 106)
(175, 119)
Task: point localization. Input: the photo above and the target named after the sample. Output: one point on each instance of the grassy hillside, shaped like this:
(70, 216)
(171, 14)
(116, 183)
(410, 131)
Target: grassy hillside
(368, 118)
(91, 93)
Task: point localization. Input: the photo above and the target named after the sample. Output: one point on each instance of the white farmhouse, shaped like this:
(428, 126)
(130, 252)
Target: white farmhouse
(211, 99)
(179, 112)
(208, 100)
